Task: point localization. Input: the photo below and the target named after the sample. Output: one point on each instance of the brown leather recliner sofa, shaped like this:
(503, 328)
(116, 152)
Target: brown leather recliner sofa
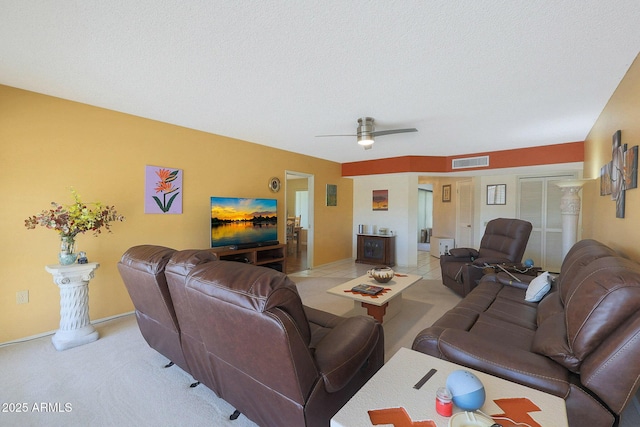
(142, 269)
(580, 342)
(243, 332)
(504, 241)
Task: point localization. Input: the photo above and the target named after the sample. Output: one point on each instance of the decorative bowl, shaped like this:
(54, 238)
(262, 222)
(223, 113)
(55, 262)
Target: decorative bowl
(381, 274)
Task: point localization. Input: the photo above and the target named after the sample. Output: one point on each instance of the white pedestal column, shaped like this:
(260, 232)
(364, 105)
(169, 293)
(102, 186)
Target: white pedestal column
(570, 210)
(73, 281)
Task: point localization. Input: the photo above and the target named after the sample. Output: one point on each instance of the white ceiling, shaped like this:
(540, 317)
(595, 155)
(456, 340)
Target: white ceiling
(470, 75)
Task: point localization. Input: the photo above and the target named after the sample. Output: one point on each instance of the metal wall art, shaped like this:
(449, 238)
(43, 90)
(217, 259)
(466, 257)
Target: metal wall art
(620, 174)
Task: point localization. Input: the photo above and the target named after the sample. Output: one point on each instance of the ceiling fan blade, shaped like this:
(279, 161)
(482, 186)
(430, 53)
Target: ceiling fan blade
(392, 131)
(322, 136)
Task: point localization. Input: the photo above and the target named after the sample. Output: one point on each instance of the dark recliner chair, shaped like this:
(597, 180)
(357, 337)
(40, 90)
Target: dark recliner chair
(142, 271)
(276, 361)
(504, 241)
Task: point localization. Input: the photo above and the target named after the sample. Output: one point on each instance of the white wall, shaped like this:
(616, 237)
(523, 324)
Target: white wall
(401, 218)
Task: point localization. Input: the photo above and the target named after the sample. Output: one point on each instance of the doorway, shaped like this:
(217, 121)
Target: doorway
(425, 216)
(299, 208)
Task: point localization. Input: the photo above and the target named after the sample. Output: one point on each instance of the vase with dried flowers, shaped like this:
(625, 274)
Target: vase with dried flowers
(71, 220)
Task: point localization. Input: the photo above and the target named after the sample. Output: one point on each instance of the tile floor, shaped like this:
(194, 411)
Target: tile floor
(428, 267)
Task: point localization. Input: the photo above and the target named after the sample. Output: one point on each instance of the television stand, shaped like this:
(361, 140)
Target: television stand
(274, 256)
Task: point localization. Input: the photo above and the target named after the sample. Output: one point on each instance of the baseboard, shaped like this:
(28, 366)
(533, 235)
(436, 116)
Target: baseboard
(44, 334)
(115, 316)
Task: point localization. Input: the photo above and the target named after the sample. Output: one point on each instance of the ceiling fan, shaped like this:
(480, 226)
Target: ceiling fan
(366, 133)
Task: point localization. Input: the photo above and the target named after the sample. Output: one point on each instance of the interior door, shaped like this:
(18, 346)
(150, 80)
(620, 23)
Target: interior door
(464, 214)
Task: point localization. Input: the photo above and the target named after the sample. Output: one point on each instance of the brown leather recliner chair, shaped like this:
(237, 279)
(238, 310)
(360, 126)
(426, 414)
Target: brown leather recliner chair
(142, 271)
(504, 241)
(274, 360)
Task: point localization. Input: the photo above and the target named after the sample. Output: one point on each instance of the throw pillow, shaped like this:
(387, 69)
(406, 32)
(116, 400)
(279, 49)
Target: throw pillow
(538, 288)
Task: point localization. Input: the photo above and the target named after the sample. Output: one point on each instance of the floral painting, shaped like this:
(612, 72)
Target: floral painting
(163, 190)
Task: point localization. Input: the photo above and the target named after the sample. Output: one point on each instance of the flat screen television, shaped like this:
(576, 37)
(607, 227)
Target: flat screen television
(243, 222)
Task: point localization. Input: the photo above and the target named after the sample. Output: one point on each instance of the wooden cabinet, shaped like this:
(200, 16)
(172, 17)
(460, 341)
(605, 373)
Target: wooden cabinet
(266, 256)
(376, 249)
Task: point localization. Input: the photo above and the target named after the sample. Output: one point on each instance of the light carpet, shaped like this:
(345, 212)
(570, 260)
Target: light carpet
(120, 381)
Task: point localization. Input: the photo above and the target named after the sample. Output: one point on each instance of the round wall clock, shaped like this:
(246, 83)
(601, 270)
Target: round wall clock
(274, 184)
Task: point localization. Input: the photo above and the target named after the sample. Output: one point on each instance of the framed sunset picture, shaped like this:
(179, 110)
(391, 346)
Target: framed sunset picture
(380, 200)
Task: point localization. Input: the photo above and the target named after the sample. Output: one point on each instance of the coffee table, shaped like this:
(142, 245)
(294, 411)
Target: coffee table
(386, 303)
(391, 390)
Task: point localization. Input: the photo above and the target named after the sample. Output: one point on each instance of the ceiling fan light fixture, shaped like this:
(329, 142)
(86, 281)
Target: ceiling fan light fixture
(365, 140)
(366, 132)
(365, 129)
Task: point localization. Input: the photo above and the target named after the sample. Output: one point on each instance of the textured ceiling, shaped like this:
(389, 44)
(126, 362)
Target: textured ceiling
(470, 75)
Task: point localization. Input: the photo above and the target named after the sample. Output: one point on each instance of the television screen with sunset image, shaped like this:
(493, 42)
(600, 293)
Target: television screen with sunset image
(243, 221)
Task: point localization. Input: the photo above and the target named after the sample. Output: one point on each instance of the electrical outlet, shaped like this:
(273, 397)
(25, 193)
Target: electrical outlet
(22, 297)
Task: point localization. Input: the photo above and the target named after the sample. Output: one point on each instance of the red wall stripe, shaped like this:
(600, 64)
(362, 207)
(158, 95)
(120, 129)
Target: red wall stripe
(530, 156)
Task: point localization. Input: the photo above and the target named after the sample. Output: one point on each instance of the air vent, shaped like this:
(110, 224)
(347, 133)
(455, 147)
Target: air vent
(470, 162)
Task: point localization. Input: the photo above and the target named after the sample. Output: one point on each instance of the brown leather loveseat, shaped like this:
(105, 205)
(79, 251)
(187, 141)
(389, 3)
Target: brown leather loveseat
(243, 331)
(580, 342)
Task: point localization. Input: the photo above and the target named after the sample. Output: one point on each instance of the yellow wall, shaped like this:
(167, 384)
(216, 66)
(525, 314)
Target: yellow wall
(622, 112)
(49, 145)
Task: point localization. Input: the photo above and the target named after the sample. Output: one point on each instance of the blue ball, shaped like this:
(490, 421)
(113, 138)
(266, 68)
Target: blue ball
(467, 390)
(528, 263)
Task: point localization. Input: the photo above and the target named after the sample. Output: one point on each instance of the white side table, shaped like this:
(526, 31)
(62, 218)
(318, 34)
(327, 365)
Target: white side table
(440, 246)
(73, 281)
